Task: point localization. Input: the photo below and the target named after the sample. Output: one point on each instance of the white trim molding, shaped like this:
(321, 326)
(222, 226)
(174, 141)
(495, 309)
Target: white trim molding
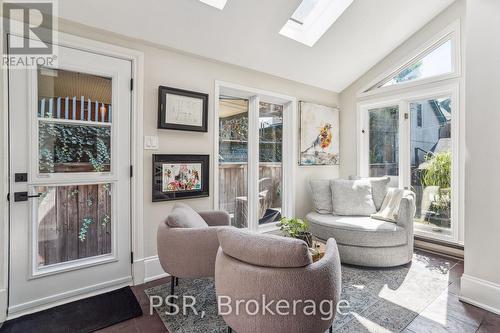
(480, 293)
(153, 269)
(3, 300)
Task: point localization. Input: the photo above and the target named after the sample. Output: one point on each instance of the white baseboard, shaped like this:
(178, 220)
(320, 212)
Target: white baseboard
(153, 269)
(3, 305)
(481, 293)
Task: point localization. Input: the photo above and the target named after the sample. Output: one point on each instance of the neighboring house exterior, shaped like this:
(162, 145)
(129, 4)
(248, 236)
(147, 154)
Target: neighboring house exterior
(430, 129)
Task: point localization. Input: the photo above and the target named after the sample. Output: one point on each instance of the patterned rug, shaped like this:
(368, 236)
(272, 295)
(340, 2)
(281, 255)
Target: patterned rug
(381, 300)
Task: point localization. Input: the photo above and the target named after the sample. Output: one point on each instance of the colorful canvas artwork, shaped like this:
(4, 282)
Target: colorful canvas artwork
(181, 177)
(319, 135)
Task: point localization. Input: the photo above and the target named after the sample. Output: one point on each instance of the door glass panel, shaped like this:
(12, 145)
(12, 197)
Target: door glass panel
(74, 122)
(384, 141)
(233, 159)
(270, 162)
(431, 158)
(72, 222)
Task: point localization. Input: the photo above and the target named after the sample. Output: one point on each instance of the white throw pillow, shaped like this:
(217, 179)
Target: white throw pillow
(321, 195)
(352, 197)
(380, 185)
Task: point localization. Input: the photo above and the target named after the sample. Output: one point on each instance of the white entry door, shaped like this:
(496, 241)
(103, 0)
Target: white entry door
(69, 179)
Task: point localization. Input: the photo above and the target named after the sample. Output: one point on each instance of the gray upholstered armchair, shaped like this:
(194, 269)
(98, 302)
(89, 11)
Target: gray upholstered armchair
(187, 242)
(251, 266)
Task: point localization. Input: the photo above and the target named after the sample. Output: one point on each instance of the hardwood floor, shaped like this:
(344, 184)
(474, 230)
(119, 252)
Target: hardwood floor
(445, 314)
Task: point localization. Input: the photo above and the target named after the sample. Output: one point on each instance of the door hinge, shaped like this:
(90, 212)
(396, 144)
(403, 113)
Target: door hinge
(131, 257)
(131, 84)
(131, 171)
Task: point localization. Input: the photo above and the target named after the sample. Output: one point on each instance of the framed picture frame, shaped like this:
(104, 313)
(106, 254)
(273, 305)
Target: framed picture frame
(182, 110)
(180, 176)
(319, 135)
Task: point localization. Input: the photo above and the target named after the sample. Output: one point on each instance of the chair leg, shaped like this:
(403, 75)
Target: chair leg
(176, 281)
(172, 290)
(172, 285)
(229, 330)
(330, 330)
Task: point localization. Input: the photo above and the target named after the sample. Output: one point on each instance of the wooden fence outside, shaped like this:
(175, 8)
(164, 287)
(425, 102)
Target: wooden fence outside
(64, 211)
(233, 185)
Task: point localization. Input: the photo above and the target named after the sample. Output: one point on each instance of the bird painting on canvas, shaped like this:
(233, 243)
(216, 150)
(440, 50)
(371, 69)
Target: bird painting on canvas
(323, 140)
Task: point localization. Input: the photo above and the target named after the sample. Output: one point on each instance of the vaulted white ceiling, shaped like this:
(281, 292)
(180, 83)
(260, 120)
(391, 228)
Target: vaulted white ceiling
(246, 33)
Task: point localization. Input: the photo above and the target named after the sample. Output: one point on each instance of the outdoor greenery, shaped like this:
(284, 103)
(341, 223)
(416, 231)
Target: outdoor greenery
(438, 170)
(438, 173)
(61, 143)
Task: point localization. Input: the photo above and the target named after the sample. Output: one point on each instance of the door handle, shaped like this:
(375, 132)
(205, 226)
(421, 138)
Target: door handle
(23, 196)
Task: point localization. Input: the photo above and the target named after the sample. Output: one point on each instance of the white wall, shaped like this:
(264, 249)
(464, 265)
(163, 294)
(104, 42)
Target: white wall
(180, 70)
(348, 98)
(481, 280)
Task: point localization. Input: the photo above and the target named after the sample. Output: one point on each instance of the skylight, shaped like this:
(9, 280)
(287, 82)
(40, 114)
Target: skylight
(219, 4)
(312, 19)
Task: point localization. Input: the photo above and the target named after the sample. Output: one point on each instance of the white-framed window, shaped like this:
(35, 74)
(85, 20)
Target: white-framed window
(254, 155)
(414, 136)
(437, 60)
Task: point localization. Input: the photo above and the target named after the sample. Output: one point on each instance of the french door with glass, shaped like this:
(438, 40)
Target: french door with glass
(254, 158)
(414, 139)
(70, 179)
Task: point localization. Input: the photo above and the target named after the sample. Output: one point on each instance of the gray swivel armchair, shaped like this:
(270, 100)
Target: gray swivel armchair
(251, 266)
(187, 242)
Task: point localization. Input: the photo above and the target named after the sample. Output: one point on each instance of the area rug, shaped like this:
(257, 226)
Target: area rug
(83, 316)
(380, 300)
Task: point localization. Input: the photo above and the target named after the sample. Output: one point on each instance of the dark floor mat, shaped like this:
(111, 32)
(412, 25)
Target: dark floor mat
(83, 316)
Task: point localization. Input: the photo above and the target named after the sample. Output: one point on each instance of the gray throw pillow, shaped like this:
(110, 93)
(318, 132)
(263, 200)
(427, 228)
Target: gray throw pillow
(352, 197)
(380, 185)
(321, 195)
(183, 216)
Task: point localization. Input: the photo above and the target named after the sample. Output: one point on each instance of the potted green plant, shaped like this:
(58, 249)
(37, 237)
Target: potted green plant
(296, 228)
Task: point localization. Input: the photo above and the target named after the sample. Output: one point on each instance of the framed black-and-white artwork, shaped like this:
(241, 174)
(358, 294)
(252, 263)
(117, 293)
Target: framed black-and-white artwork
(180, 176)
(182, 110)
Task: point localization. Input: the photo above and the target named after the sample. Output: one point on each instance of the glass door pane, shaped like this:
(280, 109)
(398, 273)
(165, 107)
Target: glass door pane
(73, 222)
(74, 122)
(270, 162)
(431, 163)
(233, 159)
(383, 141)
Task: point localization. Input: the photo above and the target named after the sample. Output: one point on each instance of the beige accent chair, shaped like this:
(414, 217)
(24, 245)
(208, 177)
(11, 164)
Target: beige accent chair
(187, 242)
(250, 266)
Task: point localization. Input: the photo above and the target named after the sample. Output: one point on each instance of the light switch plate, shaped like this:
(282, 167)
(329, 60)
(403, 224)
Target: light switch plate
(151, 142)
